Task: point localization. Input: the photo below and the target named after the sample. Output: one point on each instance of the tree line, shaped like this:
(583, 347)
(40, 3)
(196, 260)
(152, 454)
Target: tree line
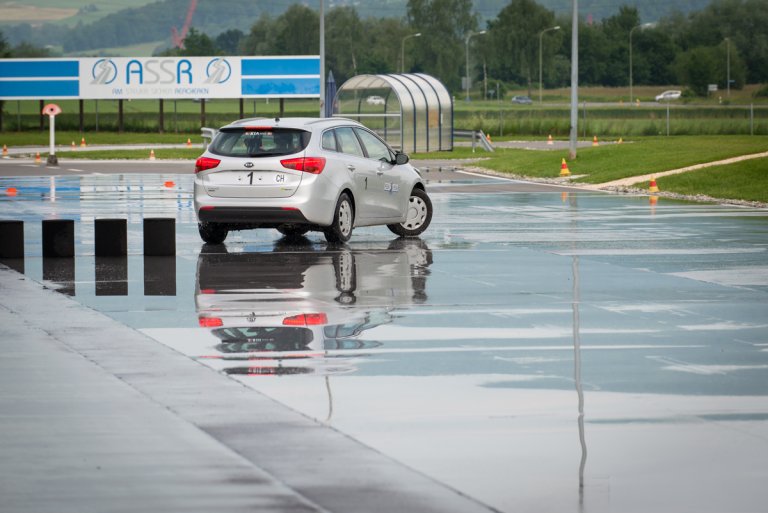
(725, 39)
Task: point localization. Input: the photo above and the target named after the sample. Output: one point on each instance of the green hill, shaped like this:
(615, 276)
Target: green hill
(77, 26)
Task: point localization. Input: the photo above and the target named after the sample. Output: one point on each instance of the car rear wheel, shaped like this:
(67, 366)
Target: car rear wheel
(343, 220)
(418, 218)
(212, 233)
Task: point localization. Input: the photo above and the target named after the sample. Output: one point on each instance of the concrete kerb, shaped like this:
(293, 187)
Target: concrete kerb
(295, 457)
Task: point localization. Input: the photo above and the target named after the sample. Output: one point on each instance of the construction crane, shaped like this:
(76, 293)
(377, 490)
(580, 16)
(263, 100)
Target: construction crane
(177, 37)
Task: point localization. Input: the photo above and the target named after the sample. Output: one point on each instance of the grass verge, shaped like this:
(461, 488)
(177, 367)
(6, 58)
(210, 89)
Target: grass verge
(40, 138)
(742, 181)
(160, 154)
(747, 180)
(614, 161)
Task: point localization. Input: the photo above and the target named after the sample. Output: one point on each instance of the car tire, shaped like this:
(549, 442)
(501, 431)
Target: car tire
(418, 218)
(340, 230)
(292, 230)
(212, 233)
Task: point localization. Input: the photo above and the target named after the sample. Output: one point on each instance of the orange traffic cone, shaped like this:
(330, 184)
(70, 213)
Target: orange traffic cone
(11, 191)
(5, 151)
(73, 146)
(549, 139)
(653, 200)
(82, 142)
(189, 142)
(488, 138)
(620, 141)
(594, 141)
(653, 187)
(564, 171)
(170, 184)
(37, 158)
(151, 154)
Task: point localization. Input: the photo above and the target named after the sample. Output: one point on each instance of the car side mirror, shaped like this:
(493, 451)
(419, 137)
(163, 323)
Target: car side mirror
(401, 158)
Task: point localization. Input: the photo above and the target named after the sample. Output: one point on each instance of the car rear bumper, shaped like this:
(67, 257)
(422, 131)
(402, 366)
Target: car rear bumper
(253, 216)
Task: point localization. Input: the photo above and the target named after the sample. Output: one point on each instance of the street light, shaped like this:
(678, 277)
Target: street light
(541, 35)
(644, 25)
(466, 43)
(402, 51)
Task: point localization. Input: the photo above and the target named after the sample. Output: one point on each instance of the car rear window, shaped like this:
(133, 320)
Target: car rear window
(259, 142)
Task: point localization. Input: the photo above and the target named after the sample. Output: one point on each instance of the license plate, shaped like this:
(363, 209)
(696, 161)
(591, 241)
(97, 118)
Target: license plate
(257, 178)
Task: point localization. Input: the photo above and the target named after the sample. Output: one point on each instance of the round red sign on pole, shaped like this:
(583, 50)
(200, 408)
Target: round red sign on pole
(51, 109)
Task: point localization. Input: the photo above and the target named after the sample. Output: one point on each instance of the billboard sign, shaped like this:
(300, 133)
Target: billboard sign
(123, 78)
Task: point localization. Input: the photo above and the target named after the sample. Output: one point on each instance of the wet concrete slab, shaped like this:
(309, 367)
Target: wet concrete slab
(77, 438)
(535, 350)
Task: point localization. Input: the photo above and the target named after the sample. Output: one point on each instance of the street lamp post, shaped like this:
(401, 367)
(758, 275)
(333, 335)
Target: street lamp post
(402, 50)
(644, 25)
(466, 43)
(541, 36)
(728, 65)
(574, 80)
(322, 59)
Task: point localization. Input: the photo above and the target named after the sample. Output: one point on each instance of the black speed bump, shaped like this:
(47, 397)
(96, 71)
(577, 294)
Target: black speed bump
(160, 236)
(11, 239)
(58, 238)
(111, 237)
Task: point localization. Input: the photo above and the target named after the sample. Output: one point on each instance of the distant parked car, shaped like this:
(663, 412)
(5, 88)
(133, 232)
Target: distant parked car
(523, 100)
(669, 95)
(374, 100)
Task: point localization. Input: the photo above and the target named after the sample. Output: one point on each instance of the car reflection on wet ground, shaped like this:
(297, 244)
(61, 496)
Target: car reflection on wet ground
(536, 351)
(299, 312)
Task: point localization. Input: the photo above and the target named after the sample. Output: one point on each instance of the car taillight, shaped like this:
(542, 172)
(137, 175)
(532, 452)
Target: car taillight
(310, 319)
(204, 163)
(314, 165)
(210, 322)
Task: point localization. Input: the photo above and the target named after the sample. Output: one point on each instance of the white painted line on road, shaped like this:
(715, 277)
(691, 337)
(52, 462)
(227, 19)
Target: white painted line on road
(212, 360)
(701, 369)
(628, 252)
(722, 326)
(393, 333)
(517, 180)
(490, 311)
(745, 276)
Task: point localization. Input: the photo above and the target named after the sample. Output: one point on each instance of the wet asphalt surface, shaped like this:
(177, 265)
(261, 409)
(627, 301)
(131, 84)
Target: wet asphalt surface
(538, 349)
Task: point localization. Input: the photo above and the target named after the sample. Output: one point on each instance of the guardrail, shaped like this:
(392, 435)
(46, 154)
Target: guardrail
(476, 136)
(208, 135)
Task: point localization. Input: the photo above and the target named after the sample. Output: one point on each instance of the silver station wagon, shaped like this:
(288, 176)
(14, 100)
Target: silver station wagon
(302, 174)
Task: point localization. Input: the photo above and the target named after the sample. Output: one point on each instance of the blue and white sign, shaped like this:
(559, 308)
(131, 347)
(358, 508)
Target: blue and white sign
(37, 78)
(160, 77)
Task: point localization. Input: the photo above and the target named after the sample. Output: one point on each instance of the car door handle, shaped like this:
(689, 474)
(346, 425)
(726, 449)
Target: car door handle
(350, 167)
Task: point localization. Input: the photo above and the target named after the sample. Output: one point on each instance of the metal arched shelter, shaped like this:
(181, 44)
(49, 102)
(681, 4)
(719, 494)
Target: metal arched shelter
(412, 112)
